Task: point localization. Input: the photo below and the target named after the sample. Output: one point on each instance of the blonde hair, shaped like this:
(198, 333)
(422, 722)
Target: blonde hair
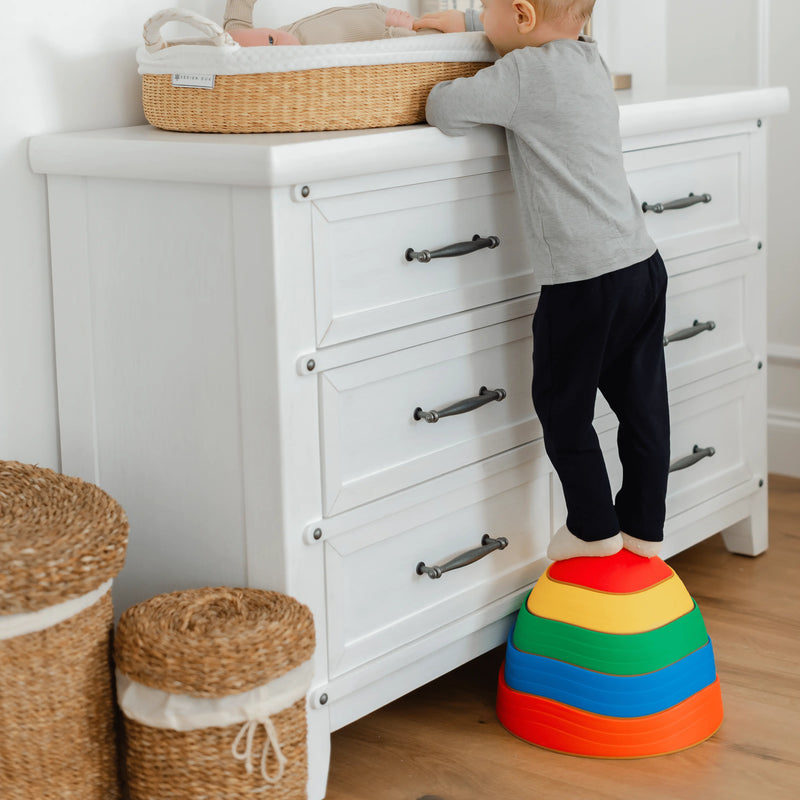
(574, 10)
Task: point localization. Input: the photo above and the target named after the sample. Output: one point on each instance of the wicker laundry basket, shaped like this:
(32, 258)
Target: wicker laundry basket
(62, 541)
(213, 85)
(212, 685)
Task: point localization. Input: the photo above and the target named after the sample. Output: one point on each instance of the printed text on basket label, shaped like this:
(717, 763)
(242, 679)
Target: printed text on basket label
(188, 80)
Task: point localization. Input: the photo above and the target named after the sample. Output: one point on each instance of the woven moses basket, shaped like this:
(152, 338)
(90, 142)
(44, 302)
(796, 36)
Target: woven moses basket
(213, 85)
(212, 685)
(62, 541)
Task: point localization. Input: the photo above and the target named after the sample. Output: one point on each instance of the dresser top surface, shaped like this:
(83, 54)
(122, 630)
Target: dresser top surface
(279, 159)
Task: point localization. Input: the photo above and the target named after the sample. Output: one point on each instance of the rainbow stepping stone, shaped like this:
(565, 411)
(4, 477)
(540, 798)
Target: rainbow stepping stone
(610, 658)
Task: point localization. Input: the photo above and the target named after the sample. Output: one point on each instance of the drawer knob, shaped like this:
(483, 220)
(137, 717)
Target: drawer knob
(452, 250)
(488, 545)
(684, 202)
(688, 333)
(698, 454)
(483, 397)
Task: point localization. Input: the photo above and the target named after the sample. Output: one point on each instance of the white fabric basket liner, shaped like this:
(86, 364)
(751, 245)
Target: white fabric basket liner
(236, 60)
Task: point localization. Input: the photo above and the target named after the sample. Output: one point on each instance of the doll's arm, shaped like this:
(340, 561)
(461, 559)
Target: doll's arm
(451, 21)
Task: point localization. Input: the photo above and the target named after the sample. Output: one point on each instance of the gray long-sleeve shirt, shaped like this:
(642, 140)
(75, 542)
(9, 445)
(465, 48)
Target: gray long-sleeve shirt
(579, 214)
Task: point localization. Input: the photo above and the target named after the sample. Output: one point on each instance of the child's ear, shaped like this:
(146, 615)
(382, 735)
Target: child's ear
(524, 15)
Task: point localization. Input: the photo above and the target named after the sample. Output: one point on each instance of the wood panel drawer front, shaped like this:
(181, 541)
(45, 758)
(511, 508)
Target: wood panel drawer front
(716, 168)
(712, 444)
(372, 445)
(364, 283)
(708, 326)
(376, 599)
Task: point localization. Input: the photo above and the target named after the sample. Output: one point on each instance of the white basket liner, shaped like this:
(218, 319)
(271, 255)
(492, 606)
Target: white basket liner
(236, 60)
(159, 709)
(182, 712)
(14, 625)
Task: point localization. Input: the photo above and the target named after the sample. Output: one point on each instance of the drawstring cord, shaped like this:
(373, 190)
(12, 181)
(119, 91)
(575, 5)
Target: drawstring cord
(248, 731)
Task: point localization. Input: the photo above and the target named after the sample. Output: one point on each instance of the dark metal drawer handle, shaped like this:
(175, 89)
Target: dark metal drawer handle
(488, 545)
(688, 333)
(462, 406)
(683, 202)
(698, 454)
(452, 250)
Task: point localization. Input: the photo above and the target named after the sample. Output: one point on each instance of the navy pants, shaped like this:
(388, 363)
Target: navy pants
(606, 333)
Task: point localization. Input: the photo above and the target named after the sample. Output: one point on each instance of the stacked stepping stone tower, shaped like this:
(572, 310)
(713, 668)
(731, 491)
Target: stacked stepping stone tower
(610, 658)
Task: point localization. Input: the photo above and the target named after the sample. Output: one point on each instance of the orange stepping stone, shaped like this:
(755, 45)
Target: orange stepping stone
(557, 726)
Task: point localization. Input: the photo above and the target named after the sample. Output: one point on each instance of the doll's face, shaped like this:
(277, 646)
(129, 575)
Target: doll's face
(262, 37)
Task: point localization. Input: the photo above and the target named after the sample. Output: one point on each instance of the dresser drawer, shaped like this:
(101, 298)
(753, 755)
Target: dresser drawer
(378, 601)
(711, 445)
(715, 168)
(372, 445)
(708, 325)
(364, 283)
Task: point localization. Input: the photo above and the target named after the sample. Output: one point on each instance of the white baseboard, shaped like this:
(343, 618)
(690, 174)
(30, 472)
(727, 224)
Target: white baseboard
(783, 426)
(783, 443)
(787, 355)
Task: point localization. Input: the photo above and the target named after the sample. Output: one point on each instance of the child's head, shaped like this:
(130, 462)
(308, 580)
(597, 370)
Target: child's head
(511, 24)
(564, 10)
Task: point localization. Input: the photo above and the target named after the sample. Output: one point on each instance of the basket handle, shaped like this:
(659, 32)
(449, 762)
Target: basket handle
(152, 28)
(223, 603)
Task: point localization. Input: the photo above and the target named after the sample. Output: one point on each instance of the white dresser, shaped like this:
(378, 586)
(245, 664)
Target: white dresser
(246, 356)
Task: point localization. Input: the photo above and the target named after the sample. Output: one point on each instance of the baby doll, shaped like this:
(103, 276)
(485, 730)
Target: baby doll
(359, 23)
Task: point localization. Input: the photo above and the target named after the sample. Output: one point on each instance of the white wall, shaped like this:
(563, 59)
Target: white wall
(65, 66)
(632, 37)
(783, 240)
(71, 66)
(686, 42)
(712, 42)
(273, 13)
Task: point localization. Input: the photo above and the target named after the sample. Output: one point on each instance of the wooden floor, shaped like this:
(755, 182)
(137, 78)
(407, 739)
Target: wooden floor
(443, 741)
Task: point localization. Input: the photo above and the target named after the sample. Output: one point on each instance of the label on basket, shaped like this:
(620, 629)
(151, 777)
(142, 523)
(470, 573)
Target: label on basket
(194, 81)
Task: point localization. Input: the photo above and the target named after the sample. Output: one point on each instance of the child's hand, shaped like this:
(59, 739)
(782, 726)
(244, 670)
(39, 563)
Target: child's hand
(451, 21)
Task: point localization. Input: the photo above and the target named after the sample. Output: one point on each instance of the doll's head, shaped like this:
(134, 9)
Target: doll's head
(262, 37)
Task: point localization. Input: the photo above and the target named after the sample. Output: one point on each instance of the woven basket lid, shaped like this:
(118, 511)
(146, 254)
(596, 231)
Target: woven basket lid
(213, 642)
(60, 537)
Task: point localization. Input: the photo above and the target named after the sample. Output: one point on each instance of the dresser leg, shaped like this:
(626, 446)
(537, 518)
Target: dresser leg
(319, 752)
(750, 536)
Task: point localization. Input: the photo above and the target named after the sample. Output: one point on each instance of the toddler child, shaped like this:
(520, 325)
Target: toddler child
(599, 323)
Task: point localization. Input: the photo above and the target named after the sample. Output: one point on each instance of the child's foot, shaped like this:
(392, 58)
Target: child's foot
(566, 545)
(641, 547)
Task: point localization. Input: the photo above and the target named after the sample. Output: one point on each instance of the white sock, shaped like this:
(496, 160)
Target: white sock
(566, 545)
(641, 547)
